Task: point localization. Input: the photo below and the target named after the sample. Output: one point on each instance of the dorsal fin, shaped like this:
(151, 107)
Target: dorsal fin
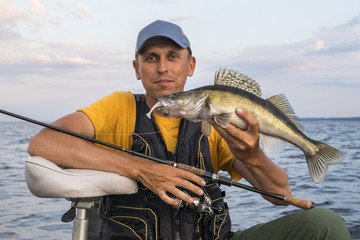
(231, 78)
(281, 102)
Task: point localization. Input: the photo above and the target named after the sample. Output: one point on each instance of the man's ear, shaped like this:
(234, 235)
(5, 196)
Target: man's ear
(192, 64)
(136, 68)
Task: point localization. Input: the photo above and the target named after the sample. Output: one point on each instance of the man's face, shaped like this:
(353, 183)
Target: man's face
(163, 68)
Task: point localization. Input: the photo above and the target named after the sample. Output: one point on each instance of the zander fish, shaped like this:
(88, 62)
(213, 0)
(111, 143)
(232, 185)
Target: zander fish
(275, 117)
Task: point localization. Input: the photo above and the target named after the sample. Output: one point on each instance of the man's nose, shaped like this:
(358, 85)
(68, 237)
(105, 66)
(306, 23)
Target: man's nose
(163, 65)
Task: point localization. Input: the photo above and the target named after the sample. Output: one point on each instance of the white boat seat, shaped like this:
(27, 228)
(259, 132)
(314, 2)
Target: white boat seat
(46, 180)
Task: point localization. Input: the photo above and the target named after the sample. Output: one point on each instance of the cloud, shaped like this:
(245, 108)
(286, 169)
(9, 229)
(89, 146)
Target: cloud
(50, 58)
(341, 48)
(170, 2)
(56, 59)
(341, 39)
(9, 13)
(7, 33)
(29, 55)
(83, 12)
(319, 45)
(354, 22)
(313, 73)
(333, 52)
(37, 9)
(9, 16)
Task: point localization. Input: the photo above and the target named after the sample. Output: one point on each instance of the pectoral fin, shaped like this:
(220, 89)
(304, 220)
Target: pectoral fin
(271, 144)
(223, 119)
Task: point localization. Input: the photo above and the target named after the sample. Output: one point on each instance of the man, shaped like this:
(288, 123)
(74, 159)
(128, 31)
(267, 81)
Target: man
(163, 61)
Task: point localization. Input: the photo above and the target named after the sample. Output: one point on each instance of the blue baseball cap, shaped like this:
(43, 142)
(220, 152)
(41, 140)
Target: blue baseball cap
(161, 28)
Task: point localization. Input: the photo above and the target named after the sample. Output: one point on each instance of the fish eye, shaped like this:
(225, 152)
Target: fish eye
(165, 112)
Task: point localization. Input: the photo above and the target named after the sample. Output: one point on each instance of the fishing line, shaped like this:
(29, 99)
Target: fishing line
(110, 134)
(301, 203)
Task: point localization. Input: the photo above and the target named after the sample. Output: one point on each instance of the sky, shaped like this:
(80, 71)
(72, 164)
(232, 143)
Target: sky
(59, 56)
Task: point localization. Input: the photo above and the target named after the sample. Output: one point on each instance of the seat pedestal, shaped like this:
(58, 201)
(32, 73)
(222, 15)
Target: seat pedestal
(81, 221)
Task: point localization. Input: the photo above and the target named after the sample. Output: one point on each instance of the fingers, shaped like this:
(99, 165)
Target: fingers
(174, 190)
(178, 196)
(248, 118)
(231, 130)
(244, 144)
(162, 179)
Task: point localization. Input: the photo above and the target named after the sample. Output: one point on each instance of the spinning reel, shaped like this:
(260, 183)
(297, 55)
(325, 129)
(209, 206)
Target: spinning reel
(201, 204)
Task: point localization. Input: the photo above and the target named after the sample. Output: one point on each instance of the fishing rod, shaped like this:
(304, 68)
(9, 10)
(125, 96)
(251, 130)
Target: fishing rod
(298, 202)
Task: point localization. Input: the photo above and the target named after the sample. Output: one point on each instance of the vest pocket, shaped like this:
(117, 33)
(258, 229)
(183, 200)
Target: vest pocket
(218, 225)
(133, 223)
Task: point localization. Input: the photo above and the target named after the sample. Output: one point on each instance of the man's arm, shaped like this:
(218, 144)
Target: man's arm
(71, 152)
(251, 162)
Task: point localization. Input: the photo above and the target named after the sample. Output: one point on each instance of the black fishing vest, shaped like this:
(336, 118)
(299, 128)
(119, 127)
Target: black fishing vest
(144, 215)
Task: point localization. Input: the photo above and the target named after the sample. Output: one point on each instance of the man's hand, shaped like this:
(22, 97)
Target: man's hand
(244, 144)
(162, 179)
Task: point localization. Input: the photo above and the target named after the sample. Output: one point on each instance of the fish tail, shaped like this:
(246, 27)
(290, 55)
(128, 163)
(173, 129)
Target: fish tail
(319, 162)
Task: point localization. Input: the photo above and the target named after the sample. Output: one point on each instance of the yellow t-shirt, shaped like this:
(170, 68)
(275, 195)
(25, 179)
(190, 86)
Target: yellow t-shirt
(169, 129)
(114, 118)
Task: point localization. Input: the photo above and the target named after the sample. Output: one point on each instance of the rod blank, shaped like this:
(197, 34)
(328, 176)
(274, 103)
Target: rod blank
(301, 203)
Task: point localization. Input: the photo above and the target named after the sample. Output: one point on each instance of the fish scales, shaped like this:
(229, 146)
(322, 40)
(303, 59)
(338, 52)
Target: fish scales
(270, 120)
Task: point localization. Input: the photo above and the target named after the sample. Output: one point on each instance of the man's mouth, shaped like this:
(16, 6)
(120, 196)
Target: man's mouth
(163, 81)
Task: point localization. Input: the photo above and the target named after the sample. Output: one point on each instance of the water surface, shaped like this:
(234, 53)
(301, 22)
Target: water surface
(24, 216)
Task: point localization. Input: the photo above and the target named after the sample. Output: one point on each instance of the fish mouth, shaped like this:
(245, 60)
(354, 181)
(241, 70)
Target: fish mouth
(173, 106)
(158, 104)
(166, 102)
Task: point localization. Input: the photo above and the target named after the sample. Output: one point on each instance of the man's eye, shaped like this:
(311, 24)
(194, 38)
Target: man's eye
(150, 59)
(173, 56)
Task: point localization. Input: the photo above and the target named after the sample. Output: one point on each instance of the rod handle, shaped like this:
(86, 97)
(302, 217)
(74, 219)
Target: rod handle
(298, 202)
(191, 169)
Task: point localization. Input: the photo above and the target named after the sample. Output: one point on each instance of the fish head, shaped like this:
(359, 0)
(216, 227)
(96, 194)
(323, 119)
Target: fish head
(188, 105)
